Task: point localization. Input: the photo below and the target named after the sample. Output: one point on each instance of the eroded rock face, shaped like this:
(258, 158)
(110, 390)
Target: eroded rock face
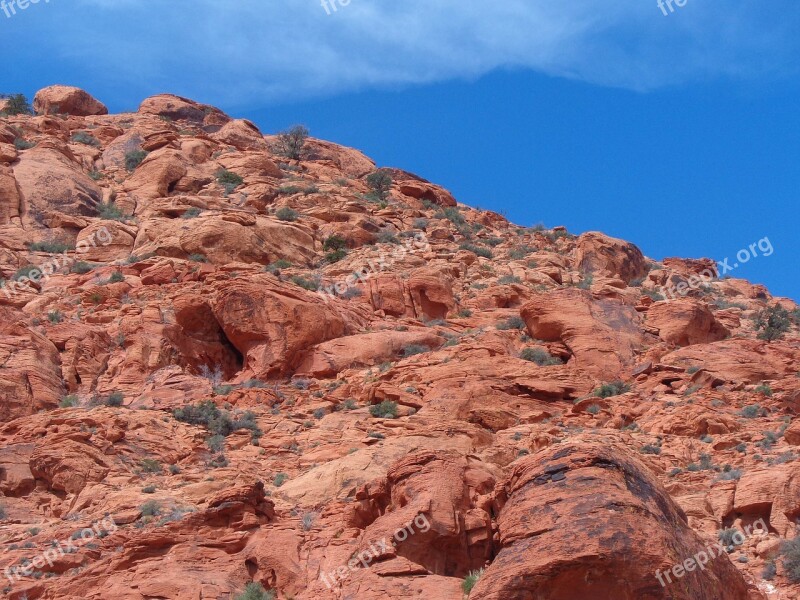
(685, 322)
(599, 253)
(67, 100)
(603, 336)
(623, 528)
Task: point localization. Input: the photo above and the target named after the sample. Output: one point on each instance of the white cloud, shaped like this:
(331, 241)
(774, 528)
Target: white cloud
(255, 50)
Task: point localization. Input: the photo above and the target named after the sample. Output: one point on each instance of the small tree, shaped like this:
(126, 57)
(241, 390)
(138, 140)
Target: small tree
(771, 323)
(380, 182)
(291, 142)
(16, 104)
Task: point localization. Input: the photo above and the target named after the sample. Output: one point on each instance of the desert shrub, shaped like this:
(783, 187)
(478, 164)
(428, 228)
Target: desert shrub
(149, 489)
(478, 250)
(199, 258)
(307, 521)
(84, 138)
(55, 316)
(653, 295)
(593, 409)
(151, 508)
(287, 214)
(387, 237)
(291, 142)
(69, 401)
(420, 223)
(116, 277)
(110, 212)
(335, 256)
(229, 180)
(414, 349)
(134, 158)
(769, 571)
(23, 144)
(276, 266)
(280, 479)
(772, 323)
(352, 292)
(17, 104)
(334, 242)
(752, 411)
(150, 465)
(114, 399)
(520, 252)
(650, 449)
(730, 475)
(586, 282)
(306, 284)
(191, 213)
(255, 591)
(470, 580)
(511, 323)
(51, 247)
(540, 357)
(80, 268)
(764, 389)
(386, 410)
(380, 182)
(729, 536)
(509, 279)
(615, 388)
(790, 554)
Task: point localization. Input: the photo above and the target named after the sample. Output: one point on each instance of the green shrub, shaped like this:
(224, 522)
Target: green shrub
(278, 265)
(23, 144)
(414, 349)
(287, 214)
(191, 213)
(114, 399)
(790, 554)
(729, 536)
(84, 138)
(615, 388)
(55, 316)
(150, 465)
(280, 479)
(764, 389)
(478, 250)
(540, 357)
(334, 242)
(752, 411)
(291, 142)
(151, 508)
(116, 277)
(772, 323)
(229, 180)
(380, 182)
(149, 489)
(386, 410)
(335, 256)
(17, 104)
(216, 443)
(110, 212)
(593, 409)
(200, 258)
(306, 284)
(134, 158)
(80, 268)
(69, 401)
(25, 271)
(51, 247)
(509, 279)
(511, 323)
(218, 422)
(255, 591)
(470, 580)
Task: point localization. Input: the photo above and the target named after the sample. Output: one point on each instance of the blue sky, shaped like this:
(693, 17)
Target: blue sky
(680, 133)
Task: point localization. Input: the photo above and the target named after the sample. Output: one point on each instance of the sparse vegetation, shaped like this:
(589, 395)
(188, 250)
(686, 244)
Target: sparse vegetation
(287, 214)
(413, 349)
(51, 247)
(16, 104)
(478, 250)
(55, 316)
(255, 591)
(790, 555)
(772, 323)
(23, 144)
(385, 410)
(540, 357)
(380, 182)
(615, 388)
(291, 142)
(114, 399)
(229, 180)
(84, 138)
(280, 479)
(134, 158)
(150, 465)
(151, 508)
(69, 401)
(470, 581)
(752, 411)
(110, 212)
(511, 323)
(306, 284)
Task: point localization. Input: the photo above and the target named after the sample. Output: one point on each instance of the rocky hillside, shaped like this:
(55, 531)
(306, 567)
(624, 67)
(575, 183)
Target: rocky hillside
(237, 365)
